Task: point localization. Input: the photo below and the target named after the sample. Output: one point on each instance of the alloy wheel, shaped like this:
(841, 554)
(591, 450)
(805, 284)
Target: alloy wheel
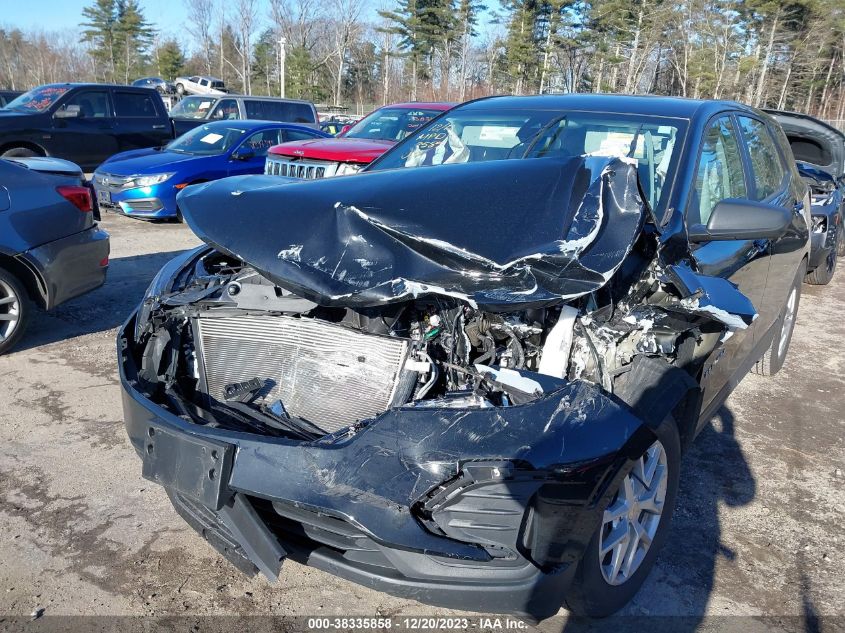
(788, 321)
(631, 520)
(10, 310)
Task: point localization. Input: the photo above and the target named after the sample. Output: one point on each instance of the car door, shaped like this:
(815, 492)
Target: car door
(84, 127)
(771, 180)
(720, 174)
(138, 122)
(256, 146)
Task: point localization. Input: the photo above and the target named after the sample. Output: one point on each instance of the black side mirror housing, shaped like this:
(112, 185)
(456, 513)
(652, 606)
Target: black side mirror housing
(243, 154)
(735, 219)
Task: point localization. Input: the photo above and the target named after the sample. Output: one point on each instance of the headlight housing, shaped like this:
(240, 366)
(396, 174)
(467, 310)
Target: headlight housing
(148, 181)
(345, 169)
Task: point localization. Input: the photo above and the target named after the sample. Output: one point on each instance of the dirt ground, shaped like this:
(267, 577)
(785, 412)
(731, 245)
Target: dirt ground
(759, 528)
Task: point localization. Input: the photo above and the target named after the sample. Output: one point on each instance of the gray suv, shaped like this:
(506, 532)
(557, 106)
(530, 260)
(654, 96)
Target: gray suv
(196, 109)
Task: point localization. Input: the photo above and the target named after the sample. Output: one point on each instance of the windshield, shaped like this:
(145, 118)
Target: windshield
(206, 140)
(38, 99)
(192, 108)
(464, 136)
(391, 124)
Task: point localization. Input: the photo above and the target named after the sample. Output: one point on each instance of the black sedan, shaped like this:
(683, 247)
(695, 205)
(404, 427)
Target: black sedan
(51, 249)
(468, 374)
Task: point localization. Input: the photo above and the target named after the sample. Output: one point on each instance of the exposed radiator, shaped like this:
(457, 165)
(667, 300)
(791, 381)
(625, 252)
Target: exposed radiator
(327, 374)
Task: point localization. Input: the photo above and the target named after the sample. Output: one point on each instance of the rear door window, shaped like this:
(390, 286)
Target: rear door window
(719, 174)
(254, 109)
(260, 142)
(766, 162)
(133, 104)
(297, 135)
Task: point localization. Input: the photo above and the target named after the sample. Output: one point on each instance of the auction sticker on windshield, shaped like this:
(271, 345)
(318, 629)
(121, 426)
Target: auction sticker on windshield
(211, 138)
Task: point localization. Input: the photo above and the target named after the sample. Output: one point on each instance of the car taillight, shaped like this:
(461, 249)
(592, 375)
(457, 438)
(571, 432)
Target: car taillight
(80, 197)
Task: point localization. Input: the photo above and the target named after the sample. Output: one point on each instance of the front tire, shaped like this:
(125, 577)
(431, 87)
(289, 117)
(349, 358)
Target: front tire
(772, 361)
(634, 527)
(823, 274)
(15, 311)
(180, 89)
(19, 152)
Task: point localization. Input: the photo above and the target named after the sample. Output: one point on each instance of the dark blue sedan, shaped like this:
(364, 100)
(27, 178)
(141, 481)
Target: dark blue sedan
(144, 183)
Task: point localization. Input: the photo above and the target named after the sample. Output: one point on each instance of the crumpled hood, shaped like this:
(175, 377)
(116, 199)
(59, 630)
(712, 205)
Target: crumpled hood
(500, 235)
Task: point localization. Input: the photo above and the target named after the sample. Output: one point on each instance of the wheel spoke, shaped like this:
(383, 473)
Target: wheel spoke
(618, 535)
(615, 510)
(8, 317)
(7, 300)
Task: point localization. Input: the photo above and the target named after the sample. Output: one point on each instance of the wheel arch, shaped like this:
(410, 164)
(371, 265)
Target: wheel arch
(28, 275)
(35, 147)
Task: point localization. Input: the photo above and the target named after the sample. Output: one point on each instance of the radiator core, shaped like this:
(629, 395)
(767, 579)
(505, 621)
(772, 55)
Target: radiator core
(327, 374)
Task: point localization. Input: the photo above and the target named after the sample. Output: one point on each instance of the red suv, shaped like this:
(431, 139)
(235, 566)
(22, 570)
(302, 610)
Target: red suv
(353, 149)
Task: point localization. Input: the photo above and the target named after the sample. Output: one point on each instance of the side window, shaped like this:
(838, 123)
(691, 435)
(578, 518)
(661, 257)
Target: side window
(93, 104)
(193, 79)
(719, 173)
(226, 110)
(254, 110)
(765, 159)
(296, 135)
(260, 142)
(203, 82)
(132, 104)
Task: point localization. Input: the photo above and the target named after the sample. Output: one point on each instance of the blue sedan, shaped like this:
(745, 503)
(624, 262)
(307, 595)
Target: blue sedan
(144, 183)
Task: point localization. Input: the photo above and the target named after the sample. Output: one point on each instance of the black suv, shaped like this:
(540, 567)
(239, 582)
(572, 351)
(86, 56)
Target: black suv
(83, 123)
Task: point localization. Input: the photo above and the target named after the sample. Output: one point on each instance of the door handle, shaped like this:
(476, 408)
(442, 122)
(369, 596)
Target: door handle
(159, 127)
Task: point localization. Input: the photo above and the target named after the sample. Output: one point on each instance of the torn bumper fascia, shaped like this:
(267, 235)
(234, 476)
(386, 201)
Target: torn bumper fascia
(567, 448)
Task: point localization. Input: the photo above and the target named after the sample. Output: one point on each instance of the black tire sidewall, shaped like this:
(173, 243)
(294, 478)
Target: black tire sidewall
(590, 595)
(19, 152)
(25, 311)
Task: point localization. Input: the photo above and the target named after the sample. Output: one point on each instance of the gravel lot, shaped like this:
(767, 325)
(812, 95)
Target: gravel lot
(759, 529)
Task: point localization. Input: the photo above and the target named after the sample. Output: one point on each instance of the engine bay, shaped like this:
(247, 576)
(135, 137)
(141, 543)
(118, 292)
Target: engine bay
(227, 347)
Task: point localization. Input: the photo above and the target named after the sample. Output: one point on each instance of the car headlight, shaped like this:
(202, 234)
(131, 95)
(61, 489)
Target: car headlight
(162, 283)
(345, 169)
(819, 224)
(148, 181)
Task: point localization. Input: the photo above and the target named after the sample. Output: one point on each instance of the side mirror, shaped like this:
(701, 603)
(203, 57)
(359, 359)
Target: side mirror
(243, 153)
(69, 112)
(734, 219)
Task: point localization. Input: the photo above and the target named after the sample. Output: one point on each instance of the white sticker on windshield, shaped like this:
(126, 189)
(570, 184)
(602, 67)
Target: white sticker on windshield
(211, 138)
(205, 105)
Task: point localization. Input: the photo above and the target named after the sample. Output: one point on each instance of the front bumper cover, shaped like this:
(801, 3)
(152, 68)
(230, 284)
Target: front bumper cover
(362, 504)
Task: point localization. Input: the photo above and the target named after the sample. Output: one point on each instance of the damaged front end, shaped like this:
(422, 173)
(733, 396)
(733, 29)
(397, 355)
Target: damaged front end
(431, 398)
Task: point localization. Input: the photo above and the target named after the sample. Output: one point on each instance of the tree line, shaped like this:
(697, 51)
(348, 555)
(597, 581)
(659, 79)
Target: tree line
(767, 53)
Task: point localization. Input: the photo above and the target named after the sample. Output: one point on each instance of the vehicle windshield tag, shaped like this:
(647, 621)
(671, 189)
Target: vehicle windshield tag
(211, 138)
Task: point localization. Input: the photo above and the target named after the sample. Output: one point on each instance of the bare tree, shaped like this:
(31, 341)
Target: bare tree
(200, 14)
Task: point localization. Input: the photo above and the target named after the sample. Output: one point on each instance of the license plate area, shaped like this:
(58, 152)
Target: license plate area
(198, 468)
(104, 197)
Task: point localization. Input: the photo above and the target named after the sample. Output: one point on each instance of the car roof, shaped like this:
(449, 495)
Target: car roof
(648, 105)
(429, 105)
(253, 124)
(69, 84)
